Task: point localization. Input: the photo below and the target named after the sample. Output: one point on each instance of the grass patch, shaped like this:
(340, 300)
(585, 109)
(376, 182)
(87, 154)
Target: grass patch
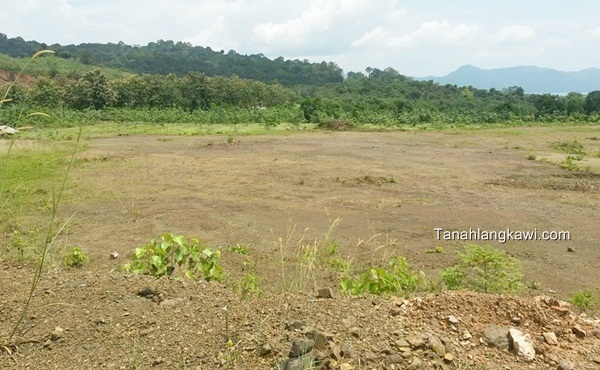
(584, 300)
(573, 147)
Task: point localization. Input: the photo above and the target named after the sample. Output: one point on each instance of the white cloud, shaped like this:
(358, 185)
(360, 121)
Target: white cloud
(433, 33)
(515, 33)
(369, 38)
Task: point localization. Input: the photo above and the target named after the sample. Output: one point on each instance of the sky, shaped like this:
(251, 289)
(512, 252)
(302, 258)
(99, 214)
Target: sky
(417, 38)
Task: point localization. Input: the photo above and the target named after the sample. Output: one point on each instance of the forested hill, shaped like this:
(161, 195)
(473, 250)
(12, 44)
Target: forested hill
(165, 57)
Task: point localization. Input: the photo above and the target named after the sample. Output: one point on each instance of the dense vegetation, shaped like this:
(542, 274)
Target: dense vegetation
(73, 91)
(179, 58)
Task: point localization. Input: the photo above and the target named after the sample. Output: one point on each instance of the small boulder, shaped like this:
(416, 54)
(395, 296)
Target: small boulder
(519, 343)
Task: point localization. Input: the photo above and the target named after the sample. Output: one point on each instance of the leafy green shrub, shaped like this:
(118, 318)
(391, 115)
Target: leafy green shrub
(76, 257)
(398, 278)
(161, 257)
(569, 162)
(484, 269)
(249, 284)
(584, 300)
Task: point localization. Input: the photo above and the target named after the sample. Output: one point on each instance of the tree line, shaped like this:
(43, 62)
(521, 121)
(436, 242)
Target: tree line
(179, 58)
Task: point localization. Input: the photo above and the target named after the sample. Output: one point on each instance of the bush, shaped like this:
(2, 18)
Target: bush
(484, 269)
(584, 300)
(398, 279)
(76, 257)
(164, 256)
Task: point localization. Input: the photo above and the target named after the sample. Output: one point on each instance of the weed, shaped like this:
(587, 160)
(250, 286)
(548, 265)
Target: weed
(484, 269)
(396, 279)
(573, 147)
(531, 157)
(437, 249)
(569, 163)
(76, 257)
(239, 249)
(250, 283)
(584, 300)
(162, 256)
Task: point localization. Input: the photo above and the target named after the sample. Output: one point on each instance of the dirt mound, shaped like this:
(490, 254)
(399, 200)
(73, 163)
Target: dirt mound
(7, 77)
(83, 319)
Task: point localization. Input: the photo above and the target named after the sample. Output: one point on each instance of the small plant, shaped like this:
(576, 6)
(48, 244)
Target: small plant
(437, 249)
(569, 162)
(76, 257)
(239, 249)
(397, 279)
(250, 283)
(230, 139)
(163, 256)
(584, 300)
(531, 157)
(484, 269)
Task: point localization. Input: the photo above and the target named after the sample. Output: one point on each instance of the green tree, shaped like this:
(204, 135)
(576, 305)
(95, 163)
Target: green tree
(592, 102)
(196, 91)
(93, 90)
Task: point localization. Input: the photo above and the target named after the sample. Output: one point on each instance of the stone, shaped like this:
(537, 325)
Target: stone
(565, 365)
(448, 358)
(550, 338)
(264, 350)
(296, 325)
(496, 336)
(416, 364)
(453, 320)
(596, 333)
(571, 249)
(300, 346)
(325, 293)
(395, 359)
(299, 363)
(147, 292)
(402, 344)
(336, 353)
(521, 345)
(436, 346)
(56, 334)
(321, 339)
(466, 335)
(578, 331)
(354, 331)
(416, 342)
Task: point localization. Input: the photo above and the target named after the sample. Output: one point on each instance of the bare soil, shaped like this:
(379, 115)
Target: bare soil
(389, 190)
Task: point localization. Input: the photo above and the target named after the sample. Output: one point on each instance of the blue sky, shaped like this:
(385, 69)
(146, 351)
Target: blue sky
(417, 38)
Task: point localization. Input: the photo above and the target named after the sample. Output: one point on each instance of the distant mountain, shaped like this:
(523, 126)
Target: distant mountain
(533, 80)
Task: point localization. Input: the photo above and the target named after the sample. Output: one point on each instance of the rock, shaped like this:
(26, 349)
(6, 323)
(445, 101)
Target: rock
(436, 346)
(448, 358)
(354, 331)
(402, 344)
(466, 335)
(496, 336)
(596, 333)
(147, 292)
(416, 342)
(300, 346)
(336, 353)
(296, 325)
(453, 320)
(321, 339)
(578, 331)
(550, 338)
(570, 249)
(371, 357)
(299, 363)
(520, 344)
(345, 366)
(325, 293)
(56, 334)
(264, 350)
(346, 351)
(395, 359)
(7, 130)
(416, 364)
(565, 365)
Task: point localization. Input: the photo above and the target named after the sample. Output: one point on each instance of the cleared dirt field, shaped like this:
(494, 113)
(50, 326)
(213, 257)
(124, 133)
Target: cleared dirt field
(400, 186)
(389, 192)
